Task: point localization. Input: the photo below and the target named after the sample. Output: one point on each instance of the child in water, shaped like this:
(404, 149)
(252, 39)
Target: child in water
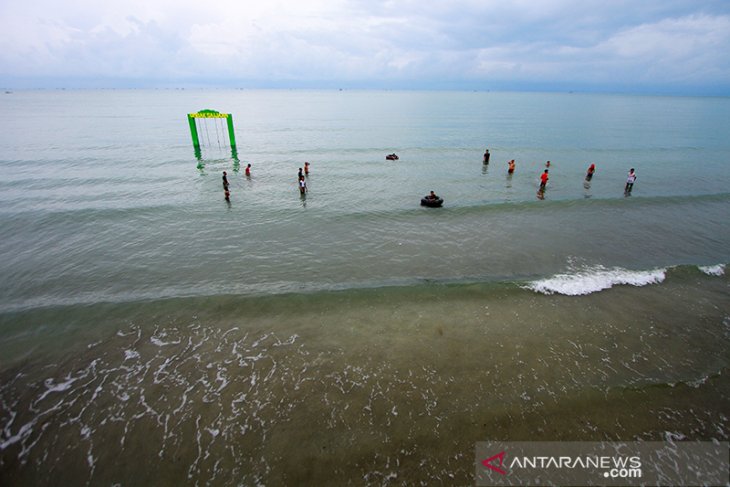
(248, 170)
(511, 166)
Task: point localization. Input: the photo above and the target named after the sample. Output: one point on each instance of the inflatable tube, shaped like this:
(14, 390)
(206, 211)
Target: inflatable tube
(391, 157)
(432, 203)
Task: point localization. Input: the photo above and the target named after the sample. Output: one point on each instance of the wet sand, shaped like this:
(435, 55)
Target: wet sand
(381, 386)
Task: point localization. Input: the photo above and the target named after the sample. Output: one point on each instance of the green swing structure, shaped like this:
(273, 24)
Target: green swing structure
(200, 131)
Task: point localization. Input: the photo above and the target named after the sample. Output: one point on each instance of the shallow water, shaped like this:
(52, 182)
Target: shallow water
(152, 334)
(384, 385)
(101, 199)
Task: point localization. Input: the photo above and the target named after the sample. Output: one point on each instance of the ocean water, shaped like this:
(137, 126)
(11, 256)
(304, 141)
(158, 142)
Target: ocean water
(151, 332)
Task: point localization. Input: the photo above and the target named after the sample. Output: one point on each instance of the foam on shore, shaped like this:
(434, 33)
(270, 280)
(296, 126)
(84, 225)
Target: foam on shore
(594, 279)
(713, 270)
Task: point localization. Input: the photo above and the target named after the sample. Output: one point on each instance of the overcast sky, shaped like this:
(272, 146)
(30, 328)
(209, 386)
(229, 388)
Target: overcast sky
(676, 46)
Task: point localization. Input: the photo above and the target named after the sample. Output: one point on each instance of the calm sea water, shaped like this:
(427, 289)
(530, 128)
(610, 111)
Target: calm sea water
(352, 336)
(101, 199)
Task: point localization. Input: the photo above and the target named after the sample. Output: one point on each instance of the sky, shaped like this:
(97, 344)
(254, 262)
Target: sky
(645, 46)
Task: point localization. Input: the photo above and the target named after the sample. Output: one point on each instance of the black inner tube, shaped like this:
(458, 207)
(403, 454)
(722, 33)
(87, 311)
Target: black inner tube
(434, 203)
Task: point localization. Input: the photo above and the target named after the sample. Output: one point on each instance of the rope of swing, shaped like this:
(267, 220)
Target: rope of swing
(216, 133)
(206, 130)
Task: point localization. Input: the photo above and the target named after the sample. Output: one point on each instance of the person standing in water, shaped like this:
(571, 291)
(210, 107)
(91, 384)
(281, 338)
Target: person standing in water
(487, 155)
(248, 170)
(630, 181)
(306, 168)
(300, 175)
(543, 180)
(302, 185)
(511, 166)
(225, 181)
(591, 170)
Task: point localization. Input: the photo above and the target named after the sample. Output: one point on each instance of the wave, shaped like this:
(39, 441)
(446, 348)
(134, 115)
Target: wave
(581, 281)
(597, 278)
(457, 208)
(694, 383)
(713, 270)
(594, 279)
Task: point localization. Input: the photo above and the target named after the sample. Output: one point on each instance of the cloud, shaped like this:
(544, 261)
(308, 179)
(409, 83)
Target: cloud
(671, 42)
(688, 49)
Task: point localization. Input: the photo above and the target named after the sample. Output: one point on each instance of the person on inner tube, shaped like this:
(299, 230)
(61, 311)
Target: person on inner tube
(432, 196)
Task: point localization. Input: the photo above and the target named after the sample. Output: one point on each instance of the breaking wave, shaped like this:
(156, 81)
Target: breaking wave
(594, 279)
(713, 270)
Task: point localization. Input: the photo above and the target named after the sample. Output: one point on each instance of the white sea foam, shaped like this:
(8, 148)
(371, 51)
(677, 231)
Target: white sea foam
(713, 270)
(59, 387)
(594, 279)
(130, 354)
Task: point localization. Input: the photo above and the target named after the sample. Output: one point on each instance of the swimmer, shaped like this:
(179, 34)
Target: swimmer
(591, 170)
(547, 164)
(630, 181)
(511, 166)
(432, 196)
(543, 180)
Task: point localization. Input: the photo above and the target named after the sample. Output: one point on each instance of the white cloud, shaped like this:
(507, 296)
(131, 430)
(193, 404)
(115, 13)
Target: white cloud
(561, 41)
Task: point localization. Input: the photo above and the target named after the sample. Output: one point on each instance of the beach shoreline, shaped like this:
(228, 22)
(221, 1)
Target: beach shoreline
(360, 386)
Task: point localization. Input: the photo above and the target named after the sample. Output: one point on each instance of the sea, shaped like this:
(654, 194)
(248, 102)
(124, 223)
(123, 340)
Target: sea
(153, 333)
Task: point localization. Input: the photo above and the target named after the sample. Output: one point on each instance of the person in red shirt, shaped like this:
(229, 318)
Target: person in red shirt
(591, 170)
(543, 180)
(248, 170)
